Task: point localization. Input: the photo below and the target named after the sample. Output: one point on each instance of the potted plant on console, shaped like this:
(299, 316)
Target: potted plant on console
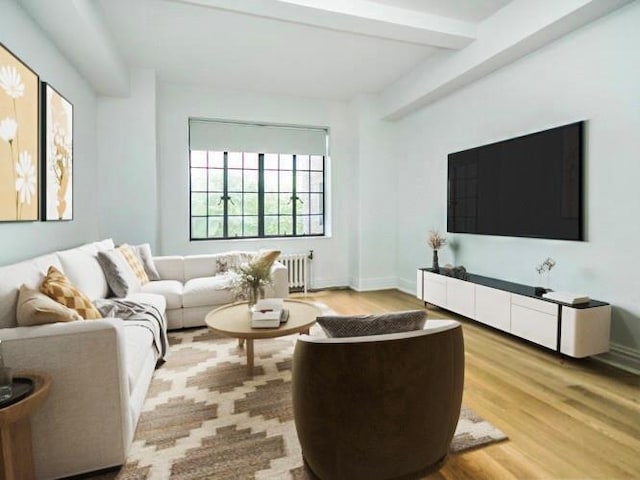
(436, 241)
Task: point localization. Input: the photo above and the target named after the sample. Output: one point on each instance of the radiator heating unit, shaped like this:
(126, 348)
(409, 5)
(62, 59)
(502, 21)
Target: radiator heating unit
(298, 266)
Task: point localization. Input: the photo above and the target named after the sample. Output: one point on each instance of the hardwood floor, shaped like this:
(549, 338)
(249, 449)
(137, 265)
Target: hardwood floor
(565, 418)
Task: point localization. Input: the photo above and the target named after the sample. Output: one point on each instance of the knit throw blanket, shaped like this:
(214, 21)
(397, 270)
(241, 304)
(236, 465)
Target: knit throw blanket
(138, 314)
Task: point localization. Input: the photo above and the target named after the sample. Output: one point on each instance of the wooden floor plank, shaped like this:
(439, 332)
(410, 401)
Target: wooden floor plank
(565, 418)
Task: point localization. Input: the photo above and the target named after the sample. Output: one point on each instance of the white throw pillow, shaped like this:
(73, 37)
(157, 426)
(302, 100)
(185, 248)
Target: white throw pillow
(81, 266)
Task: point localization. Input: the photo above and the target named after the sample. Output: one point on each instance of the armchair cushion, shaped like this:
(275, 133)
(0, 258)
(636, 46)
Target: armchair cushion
(364, 325)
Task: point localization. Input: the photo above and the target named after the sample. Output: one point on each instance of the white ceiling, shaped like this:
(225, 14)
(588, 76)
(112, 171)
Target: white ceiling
(410, 51)
(467, 10)
(209, 46)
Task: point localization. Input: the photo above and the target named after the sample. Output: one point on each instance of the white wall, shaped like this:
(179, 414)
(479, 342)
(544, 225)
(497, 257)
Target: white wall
(23, 240)
(127, 207)
(593, 75)
(373, 225)
(176, 103)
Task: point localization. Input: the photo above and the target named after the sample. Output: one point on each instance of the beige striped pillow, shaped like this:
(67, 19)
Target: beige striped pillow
(133, 261)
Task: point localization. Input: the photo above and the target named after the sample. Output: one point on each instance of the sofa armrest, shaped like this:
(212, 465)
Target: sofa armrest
(85, 423)
(280, 281)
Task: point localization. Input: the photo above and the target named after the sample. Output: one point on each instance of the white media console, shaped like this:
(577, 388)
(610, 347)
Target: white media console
(573, 330)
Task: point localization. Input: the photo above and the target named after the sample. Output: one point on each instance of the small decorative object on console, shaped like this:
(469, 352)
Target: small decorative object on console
(545, 267)
(436, 241)
(458, 272)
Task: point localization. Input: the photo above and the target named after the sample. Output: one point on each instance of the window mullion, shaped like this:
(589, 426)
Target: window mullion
(261, 195)
(225, 195)
(294, 198)
(207, 190)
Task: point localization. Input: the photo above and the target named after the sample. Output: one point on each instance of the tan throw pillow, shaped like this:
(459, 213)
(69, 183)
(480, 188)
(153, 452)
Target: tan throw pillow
(59, 288)
(35, 308)
(132, 259)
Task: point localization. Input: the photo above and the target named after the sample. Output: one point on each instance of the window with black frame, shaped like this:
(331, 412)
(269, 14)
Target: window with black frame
(247, 191)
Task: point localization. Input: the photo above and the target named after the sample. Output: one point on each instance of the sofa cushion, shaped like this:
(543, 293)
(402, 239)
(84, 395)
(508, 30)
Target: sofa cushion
(30, 273)
(137, 343)
(106, 244)
(119, 275)
(57, 286)
(199, 266)
(170, 289)
(364, 325)
(216, 290)
(153, 299)
(170, 267)
(36, 308)
(81, 266)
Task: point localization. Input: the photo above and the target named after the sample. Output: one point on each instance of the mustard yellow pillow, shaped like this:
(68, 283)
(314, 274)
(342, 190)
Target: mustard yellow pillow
(35, 308)
(58, 287)
(132, 259)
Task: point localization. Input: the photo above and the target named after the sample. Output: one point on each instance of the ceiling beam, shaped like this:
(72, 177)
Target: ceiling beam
(361, 17)
(77, 28)
(521, 27)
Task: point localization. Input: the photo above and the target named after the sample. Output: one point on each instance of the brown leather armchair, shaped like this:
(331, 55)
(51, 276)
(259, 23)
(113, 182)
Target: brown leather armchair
(378, 407)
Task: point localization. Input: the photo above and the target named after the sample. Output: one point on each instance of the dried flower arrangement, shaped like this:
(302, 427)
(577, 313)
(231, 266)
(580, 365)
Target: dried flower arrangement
(436, 240)
(252, 278)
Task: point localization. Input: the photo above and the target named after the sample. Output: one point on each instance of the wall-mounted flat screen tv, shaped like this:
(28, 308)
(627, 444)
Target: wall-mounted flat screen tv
(529, 186)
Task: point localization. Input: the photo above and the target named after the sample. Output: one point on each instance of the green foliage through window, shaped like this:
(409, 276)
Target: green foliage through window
(256, 195)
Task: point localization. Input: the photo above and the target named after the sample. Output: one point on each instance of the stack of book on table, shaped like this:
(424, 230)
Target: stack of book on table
(269, 313)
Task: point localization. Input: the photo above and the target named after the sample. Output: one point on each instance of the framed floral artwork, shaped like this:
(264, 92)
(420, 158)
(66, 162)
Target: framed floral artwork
(19, 139)
(57, 158)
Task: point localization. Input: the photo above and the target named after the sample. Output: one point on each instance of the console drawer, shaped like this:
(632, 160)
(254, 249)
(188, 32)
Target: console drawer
(534, 304)
(434, 289)
(493, 307)
(535, 326)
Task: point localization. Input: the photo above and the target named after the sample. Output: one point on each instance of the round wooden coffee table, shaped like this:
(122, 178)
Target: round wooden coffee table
(235, 321)
(15, 429)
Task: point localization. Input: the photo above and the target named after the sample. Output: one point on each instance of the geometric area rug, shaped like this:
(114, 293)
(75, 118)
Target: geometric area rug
(204, 417)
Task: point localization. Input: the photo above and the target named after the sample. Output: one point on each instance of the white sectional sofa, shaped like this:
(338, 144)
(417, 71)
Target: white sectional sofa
(101, 369)
(193, 284)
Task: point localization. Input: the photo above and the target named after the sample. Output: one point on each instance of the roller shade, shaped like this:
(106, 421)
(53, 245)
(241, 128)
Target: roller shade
(242, 137)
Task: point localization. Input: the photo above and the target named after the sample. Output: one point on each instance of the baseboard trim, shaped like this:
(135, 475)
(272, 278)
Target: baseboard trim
(371, 284)
(621, 357)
